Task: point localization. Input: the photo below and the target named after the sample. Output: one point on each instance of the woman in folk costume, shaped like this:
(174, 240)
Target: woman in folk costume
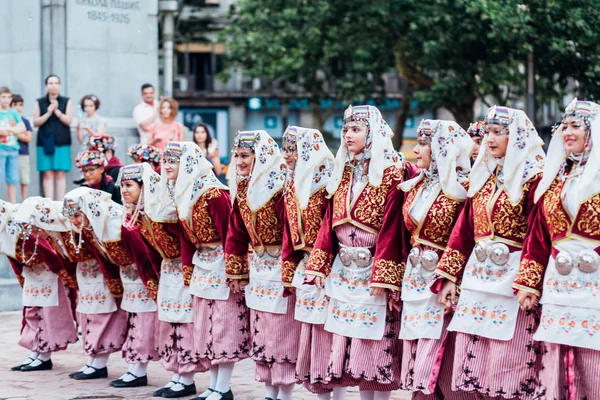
(560, 258)
(360, 230)
(309, 167)
(221, 318)
(95, 219)
(257, 219)
(127, 250)
(48, 320)
(434, 198)
(494, 352)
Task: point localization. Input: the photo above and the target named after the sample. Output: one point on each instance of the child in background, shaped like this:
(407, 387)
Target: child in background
(11, 126)
(24, 139)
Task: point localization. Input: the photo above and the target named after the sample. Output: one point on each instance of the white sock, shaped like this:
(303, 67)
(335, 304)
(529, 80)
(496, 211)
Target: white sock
(382, 395)
(224, 377)
(100, 361)
(32, 356)
(35, 363)
(128, 370)
(286, 392)
(271, 391)
(339, 393)
(184, 379)
(213, 374)
(173, 381)
(324, 396)
(139, 369)
(367, 395)
(45, 356)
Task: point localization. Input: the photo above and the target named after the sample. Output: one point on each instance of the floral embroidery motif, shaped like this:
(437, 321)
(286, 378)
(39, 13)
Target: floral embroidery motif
(130, 272)
(35, 291)
(530, 275)
(312, 302)
(90, 297)
(344, 312)
(320, 261)
(488, 272)
(265, 264)
(351, 283)
(212, 279)
(270, 291)
(175, 305)
(571, 283)
(452, 263)
(388, 272)
(236, 265)
(139, 295)
(431, 316)
(480, 313)
(88, 269)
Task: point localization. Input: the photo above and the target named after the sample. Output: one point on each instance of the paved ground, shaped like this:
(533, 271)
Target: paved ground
(56, 385)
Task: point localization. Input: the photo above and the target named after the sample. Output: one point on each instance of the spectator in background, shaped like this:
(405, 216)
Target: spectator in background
(11, 126)
(107, 145)
(92, 164)
(24, 139)
(90, 123)
(145, 153)
(145, 113)
(166, 129)
(208, 146)
(476, 131)
(52, 114)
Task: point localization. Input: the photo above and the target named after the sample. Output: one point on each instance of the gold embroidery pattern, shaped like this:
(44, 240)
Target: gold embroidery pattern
(291, 209)
(83, 255)
(480, 201)
(157, 235)
(236, 265)
(341, 194)
(202, 222)
(531, 274)
(118, 254)
(68, 279)
(312, 216)
(508, 221)
(152, 288)
(588, 218)
(370, 204)
(188, 270)
(440, 219)
(556, 217)
(245, 212)
(411, 196)
(452, 262)
(115, 287)
(388, 272)
(320, 261)
(287, 271)
(267, 224)
(21, 280)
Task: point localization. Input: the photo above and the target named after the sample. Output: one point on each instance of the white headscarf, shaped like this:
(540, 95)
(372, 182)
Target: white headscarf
(267, 176)
(105, 215)
(524, 154)
(557, 154)
(43, 213)
(314, 165)
(450, 150)
(378, 147)
(195, 176)
(9, 228)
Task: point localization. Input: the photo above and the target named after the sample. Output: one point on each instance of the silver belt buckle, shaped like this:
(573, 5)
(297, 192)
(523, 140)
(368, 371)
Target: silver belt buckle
(563, 262)
(414, 256)
(362, 257)
(499, 254)
(481, 251)
(260, 252)
(588, 261)
(429, 260)
(345, 256)
(274, 252)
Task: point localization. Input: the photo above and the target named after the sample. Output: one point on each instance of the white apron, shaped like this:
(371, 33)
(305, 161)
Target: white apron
(209, 280)
(94, 296)
(422, 314)
(40, 288)
(135, 294)
(173, 299)
(311, 302)
(571, 302)
(265, 289)
(487, 305)
(352, 311)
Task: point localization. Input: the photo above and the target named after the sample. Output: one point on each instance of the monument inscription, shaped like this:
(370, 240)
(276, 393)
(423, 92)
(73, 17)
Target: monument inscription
(114, 11)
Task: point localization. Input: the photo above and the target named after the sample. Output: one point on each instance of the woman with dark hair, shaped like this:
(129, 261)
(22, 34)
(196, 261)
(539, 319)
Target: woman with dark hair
(90, 124)
(52, 114)
(145, 153)
(208, 146)
(166, 129)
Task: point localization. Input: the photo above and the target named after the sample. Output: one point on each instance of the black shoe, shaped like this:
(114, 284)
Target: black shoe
(205, 397)
(137, 382)
(160, 391)
(72, 374)
(44, 366)
(188, 390)
(18, 367)
(224, 396)
(99, 373)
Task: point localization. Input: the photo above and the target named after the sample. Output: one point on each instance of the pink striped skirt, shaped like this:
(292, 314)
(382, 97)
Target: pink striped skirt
(559, 362)
(275, 339)
(368, 364)
(49, 328)
(313, 358)
(140, 342)
(427, 367)
(103, 333)
(176, 348)
(221, 329)
(499, 368)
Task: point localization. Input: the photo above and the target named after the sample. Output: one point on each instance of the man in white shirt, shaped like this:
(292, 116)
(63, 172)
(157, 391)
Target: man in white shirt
(146, 112)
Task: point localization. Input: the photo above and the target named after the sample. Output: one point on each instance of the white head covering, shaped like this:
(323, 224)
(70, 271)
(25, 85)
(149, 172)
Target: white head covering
(450, 156)
(105, 215)
(9, 228)
(314, 165)
(43, 213)
(557, 154)
(524, 154)
(378, 146)
(195, 176)
(267, 176)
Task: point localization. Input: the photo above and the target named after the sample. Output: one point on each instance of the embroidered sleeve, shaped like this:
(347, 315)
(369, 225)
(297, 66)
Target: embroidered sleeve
(188, 270)
(289, 256)
(219, 208)
(236, 246)
(326, 247)
(460, 246)
(69, 280)
(152, 288)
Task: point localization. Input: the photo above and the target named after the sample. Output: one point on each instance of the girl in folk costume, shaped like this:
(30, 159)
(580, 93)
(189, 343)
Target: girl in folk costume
(494, 353)
(434, 198)
(48, 321)
(221, 318)
(257, 219)
(560, 258)
(309, 168)
(138, 271)
(360, 230)
(95, 219)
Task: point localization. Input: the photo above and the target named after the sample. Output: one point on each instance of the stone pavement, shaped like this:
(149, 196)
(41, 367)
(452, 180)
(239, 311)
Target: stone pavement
(56, 385)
